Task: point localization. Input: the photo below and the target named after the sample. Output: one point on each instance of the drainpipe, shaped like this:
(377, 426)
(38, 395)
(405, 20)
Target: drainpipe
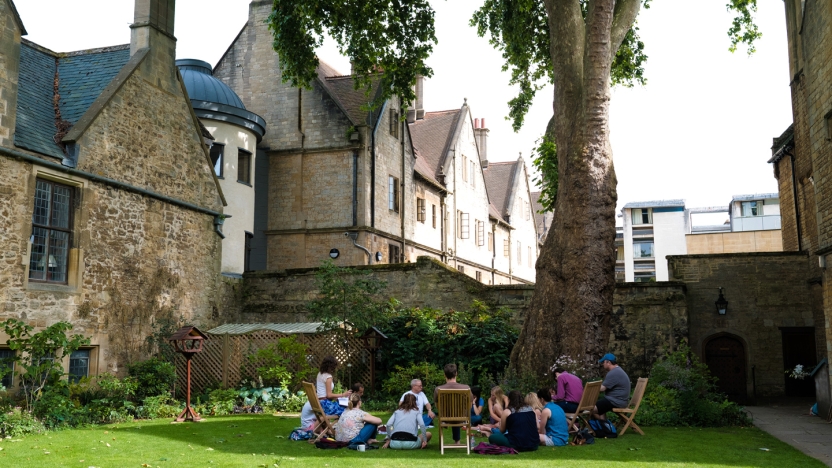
(796, 208)
(456, 220)
(355, 188)
(443, 238)
(403, 204)
(373, 167)
(354, 236)
(493, 253)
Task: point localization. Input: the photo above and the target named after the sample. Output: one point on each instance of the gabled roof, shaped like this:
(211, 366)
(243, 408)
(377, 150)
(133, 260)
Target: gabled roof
(499, 182)
(432, 137)
(82, 76)
(17, 18)
(341, 88)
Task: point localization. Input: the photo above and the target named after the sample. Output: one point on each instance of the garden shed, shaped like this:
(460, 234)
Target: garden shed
(224, 359)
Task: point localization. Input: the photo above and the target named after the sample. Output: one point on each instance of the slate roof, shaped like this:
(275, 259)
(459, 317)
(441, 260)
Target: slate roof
(499, 178)
(82, 76)
(431, 140)
(342, 89)
(655, 204)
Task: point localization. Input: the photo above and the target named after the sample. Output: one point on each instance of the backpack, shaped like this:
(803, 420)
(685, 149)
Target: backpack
(603, 429)
(328, 443)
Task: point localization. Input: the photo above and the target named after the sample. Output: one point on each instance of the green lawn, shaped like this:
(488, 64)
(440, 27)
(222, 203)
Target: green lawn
(252, 441)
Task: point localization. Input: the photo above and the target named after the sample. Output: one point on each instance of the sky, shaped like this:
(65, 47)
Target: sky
(700, 130)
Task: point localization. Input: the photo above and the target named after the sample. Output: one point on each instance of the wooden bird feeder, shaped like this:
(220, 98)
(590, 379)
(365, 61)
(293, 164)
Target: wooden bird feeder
(188, 341)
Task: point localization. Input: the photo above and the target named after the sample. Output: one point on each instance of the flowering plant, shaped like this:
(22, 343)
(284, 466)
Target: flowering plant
(798, 372)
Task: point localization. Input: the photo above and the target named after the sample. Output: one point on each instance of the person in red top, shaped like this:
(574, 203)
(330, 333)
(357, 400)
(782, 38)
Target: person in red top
(569, 391)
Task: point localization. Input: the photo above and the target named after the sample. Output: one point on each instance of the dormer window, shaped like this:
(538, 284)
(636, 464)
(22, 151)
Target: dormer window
(752, 208)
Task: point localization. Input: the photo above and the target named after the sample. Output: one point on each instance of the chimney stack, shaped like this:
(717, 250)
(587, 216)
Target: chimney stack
(417, 109)
(152, 19)
(481, 135)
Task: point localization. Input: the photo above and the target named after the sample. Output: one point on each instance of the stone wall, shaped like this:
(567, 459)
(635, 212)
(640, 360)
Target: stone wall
(648, 320)
(9, 64)
(765, 291)
(281, 296)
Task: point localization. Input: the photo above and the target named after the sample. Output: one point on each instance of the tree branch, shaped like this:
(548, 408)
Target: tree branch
(625, 14)
(567, 38)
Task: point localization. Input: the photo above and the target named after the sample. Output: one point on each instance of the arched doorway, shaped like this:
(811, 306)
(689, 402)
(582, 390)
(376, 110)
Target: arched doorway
(725, 357)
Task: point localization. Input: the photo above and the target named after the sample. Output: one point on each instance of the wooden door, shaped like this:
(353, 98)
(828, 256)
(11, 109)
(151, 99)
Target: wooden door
(725, 357)
(799, 348)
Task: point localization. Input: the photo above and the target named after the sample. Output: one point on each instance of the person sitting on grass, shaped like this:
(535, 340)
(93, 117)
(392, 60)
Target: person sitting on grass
(616, 388)
(421, 401)
(323, 387)
(553, 429)
(404, 426)
(535, 404)
(355, 425)
(569, 392)
(308, 420)
(518, 426)
(497, 402)
(450, 384)
(476, 406)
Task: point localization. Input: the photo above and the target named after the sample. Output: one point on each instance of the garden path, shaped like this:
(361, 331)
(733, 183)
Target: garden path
(793, 425)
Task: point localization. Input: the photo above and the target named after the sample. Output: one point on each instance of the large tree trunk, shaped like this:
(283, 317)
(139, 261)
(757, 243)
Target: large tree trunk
(569, 313)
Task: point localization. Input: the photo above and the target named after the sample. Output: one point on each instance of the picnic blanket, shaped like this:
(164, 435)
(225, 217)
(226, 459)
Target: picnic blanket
(491, 449)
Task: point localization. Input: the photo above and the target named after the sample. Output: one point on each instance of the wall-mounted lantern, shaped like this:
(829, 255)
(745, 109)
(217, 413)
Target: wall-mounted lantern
(371, 339)
(334, 253)
(721, 304)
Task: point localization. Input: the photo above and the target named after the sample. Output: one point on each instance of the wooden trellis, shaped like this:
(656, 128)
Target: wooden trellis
(224, 361)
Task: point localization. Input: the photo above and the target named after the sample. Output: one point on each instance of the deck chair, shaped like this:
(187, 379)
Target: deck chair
(325, 427)
(454, 410)
(628, 414)
(587, 403)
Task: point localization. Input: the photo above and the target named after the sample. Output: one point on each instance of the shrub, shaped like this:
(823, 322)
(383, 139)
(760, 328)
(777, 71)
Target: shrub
(160, 406)
(477, 338)
(398, 381)
(154, 377)
(283, 363)
(682, 392)
(221, 402)
(17, 422)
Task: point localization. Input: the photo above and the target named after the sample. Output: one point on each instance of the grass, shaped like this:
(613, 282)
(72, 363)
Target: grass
(262, 441)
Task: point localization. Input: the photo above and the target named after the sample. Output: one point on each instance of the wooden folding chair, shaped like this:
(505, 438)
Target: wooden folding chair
(628, 414)
(324, 427)
(454, 410)
(585, 406)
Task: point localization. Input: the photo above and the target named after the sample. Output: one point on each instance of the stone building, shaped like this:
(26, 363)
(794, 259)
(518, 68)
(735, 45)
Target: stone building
(802, 160)
(338, 179)
(108, 204)
(235, 133)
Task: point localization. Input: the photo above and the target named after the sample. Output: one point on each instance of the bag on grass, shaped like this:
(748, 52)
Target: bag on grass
(584, 437)
(328, 443)
(491, 449)
(300, 434)
(603, 429)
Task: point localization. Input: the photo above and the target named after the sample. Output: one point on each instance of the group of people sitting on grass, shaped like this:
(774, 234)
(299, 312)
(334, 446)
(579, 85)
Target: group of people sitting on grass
(522, 422)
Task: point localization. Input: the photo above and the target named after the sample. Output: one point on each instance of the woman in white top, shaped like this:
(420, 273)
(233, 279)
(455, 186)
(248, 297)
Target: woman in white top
(323, 387)
(355, 425)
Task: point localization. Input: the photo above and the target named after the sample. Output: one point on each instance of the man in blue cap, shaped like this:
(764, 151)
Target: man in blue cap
(616, 388)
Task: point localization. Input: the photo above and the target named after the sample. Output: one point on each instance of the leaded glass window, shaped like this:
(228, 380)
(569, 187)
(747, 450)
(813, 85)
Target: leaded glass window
(51, 232)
